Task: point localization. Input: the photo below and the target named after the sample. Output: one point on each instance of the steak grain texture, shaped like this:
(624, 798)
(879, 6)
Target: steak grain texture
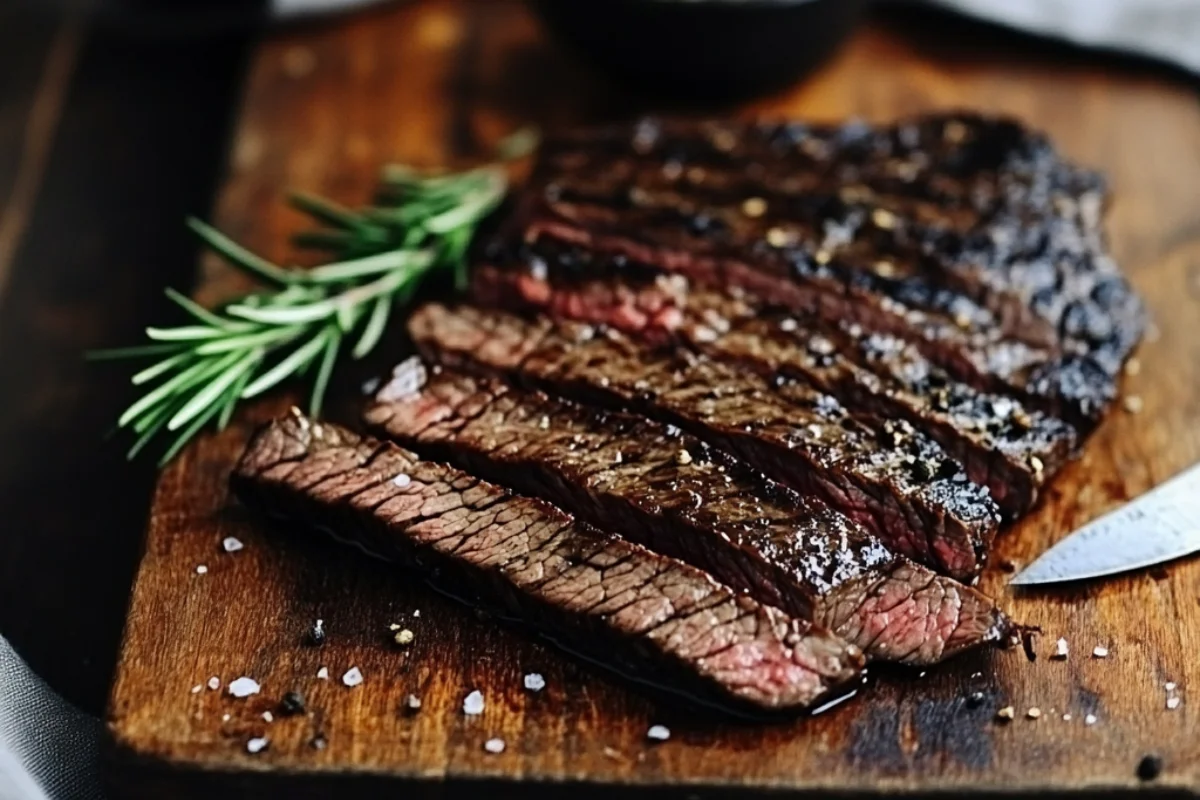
(894, 481)
(967, 236)
(1004, 443)
(677, 496)
(641, 613)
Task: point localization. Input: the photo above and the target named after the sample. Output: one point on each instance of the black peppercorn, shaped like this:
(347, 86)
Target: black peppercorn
(292, 704)
(1150, 767)
(316, 634)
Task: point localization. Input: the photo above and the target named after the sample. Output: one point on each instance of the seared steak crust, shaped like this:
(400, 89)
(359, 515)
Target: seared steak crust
(678, 496)
(1003, 442)
(642, 613)
(894, 481)
(966, 236)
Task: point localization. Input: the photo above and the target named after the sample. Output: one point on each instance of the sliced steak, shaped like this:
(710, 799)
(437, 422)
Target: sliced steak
(678, 496)
(636, 611)
(967, 197)
(894, 481)
(989, 258)
(1005, 444)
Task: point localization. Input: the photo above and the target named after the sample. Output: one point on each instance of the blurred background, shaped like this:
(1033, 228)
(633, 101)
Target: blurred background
(116, 122)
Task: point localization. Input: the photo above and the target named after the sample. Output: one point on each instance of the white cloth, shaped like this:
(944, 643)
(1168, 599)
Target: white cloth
(45, 743)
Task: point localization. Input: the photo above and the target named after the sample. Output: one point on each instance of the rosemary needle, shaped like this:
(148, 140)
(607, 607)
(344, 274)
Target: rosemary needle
(200, 371)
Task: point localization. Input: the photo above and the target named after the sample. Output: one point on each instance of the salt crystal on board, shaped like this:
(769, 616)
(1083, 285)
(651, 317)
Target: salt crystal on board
(244, 687)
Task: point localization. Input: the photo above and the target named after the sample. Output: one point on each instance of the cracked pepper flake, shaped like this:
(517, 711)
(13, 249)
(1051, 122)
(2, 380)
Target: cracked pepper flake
(658, 733)
(534, 682)
(244, 687)
(353, 677)
(232, 544)
(473, 703)
(494, 746)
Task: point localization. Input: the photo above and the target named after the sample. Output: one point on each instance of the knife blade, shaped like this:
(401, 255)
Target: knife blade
(1161, 525)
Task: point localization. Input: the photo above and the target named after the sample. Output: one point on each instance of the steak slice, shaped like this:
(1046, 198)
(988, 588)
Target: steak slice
(1006, 445)
(988, 257)
(638, 612)
(678, 496)
(981, 204)
(895, 482)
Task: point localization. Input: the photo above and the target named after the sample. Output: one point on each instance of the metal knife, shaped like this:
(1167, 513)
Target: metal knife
(1161, 525)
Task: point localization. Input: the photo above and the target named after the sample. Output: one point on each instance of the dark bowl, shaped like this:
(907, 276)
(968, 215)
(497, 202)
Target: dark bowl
(703, 50)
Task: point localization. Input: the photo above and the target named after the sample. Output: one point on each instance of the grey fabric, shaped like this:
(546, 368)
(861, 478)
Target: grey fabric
(43, 740)
(46, 743)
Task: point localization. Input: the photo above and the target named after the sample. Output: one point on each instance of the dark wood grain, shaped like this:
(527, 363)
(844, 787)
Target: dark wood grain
(422, 83)
(106, 143)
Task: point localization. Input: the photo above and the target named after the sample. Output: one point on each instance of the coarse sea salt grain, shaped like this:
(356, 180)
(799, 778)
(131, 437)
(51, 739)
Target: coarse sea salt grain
(201, 569)
(214, 683)
(1173, 703)
(401, 480)
(232, 544)
(658, 733)
(1100, 652)
(257, 744)
(1169, 686)
(534, 682)
(494, 746)
(353, 677)
(244, 687)
(1060, 649)
(268, 716)
(197, 688)
(323, 673)
(1090, 719)
(473, 703)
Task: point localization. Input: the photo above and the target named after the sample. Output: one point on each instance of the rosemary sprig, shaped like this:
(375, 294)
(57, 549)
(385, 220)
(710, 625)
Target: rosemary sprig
(304, 318)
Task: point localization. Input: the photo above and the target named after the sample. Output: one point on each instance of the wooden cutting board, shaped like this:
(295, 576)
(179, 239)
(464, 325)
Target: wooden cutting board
(435, 82)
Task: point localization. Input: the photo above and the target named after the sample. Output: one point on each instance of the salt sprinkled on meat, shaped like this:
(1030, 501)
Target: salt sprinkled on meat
(407, 379)
(353, 677)
(316, 634)
(658, 733)
(404, 637)
(226, 717)
(257, 744)
(401, 480)
(197, 688)
(323, 673)
(201, 569)
(370, 385)
(232, 544)
(1100, 652)
(494, 746)
(1090, 719)
(244, 687)
(1169, 686)
(268, 716)
(413, 702)
(534, 682)
(214, 683)
(473, 704)
(1060, 649)
(1173, 703)
(417, 612)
